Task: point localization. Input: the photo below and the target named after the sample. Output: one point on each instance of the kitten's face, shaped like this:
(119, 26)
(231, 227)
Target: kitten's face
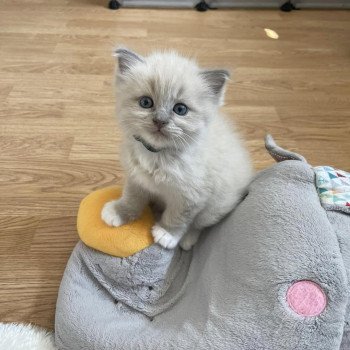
(166, 99)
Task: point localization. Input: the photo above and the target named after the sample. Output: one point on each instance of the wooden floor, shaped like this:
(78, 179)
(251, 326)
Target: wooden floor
(58, 138)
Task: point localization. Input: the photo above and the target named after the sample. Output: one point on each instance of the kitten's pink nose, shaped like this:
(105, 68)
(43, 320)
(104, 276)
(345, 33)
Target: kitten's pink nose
(159, 123)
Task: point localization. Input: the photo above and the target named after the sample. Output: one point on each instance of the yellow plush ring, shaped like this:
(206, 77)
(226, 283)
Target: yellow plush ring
(120, 241)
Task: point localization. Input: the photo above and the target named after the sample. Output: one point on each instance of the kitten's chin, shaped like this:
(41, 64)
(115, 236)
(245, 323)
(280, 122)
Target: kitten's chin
(159, 140)
(155, 139)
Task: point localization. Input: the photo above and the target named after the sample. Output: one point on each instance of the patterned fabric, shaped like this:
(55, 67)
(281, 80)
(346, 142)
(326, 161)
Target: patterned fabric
(333, 186)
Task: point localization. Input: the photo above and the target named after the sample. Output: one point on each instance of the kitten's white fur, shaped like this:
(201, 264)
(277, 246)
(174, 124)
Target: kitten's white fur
(201, 169)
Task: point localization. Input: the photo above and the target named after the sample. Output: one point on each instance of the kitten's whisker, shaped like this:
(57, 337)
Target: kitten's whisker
(184, 142)
(173, 139)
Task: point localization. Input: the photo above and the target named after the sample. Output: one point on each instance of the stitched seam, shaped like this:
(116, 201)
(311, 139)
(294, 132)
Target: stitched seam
(279, 156)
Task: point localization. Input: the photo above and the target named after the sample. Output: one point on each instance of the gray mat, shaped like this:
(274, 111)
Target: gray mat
(230, 293)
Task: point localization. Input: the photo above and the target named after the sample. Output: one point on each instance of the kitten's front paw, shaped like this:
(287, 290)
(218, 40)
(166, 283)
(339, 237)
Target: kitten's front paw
(188, 242)
(110, 214)
(190, 239)
(164, 238)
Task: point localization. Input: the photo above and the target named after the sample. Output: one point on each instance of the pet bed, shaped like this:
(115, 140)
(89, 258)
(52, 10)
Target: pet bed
(273, 274)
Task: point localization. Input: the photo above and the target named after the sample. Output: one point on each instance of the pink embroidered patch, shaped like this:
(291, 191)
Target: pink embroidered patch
(306, 298)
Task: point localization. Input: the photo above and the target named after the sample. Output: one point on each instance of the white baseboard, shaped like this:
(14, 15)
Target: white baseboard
(336, 4)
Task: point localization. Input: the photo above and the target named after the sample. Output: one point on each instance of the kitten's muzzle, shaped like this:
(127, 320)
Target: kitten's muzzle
(159, 123)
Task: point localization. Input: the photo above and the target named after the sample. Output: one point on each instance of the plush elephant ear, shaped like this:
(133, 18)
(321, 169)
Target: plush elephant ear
(127, 59)
(216, 81)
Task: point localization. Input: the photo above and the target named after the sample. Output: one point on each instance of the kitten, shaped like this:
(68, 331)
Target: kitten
(178, 151)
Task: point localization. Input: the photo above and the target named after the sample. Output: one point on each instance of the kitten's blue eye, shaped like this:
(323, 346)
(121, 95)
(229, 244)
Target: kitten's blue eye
(180, 109)
(146, 102)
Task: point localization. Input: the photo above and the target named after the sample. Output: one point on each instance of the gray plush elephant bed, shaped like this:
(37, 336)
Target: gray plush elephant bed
(273, 275)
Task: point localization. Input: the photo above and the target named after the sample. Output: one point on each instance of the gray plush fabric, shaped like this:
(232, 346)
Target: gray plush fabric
(230, 293)
(278, 153)
(341, 225)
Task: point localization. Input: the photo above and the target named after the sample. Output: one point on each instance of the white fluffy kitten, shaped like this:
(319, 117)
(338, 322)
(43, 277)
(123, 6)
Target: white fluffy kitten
(179, 153)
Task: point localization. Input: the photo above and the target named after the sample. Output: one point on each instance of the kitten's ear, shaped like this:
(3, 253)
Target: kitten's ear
(126, 59)
(215, 80)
